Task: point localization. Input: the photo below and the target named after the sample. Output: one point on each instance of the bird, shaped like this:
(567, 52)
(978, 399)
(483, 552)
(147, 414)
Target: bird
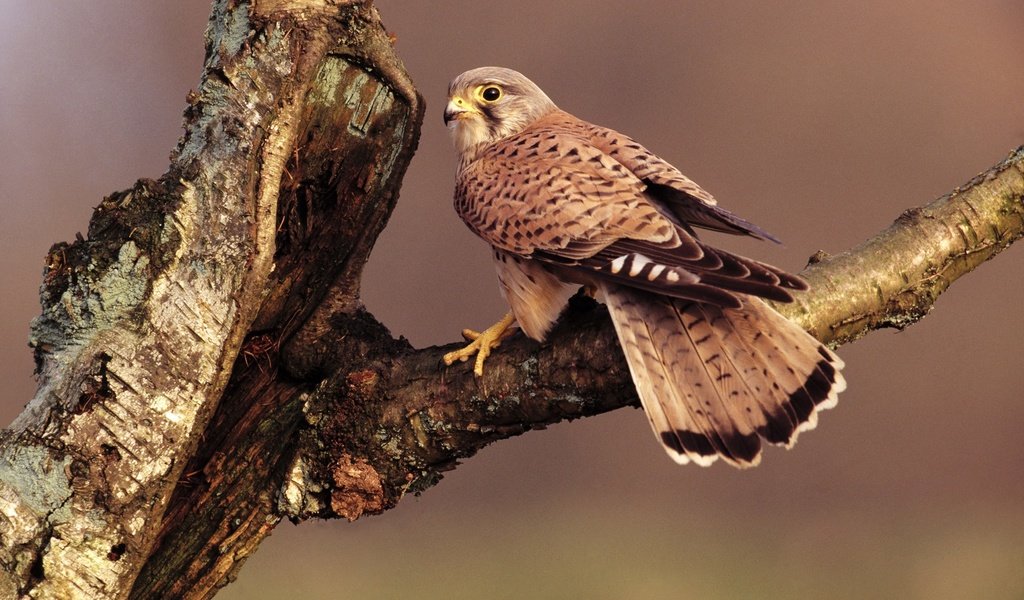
(566, 204)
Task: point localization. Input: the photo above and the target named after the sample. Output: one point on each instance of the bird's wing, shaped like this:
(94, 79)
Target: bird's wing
(680, 195)
(549, 189)
(551, 194)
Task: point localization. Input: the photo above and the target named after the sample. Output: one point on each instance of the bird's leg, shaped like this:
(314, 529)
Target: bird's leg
(482, 343)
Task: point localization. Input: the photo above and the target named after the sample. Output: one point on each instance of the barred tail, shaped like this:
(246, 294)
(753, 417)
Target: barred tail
(714, 381)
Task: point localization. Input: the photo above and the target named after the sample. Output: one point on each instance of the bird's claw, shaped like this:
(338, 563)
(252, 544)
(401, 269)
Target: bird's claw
(470, 335)
(481, 344)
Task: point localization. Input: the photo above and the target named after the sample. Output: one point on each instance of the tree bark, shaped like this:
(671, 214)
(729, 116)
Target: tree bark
(205, 365)
(295, 143)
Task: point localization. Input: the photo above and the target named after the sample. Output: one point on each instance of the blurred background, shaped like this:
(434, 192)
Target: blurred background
(820, 122)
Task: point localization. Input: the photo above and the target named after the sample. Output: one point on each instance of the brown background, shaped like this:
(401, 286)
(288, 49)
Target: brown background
(820, 121)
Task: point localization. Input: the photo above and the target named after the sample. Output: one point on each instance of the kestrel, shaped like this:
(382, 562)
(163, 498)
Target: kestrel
(565, 203)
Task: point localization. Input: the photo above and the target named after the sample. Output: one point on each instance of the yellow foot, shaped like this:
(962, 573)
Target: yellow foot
(483, 343)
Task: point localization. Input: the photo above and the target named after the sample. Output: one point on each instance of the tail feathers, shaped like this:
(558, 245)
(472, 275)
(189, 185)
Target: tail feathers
(714, 381)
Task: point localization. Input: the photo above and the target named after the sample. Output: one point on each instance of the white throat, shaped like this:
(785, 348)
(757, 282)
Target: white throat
(468, 136)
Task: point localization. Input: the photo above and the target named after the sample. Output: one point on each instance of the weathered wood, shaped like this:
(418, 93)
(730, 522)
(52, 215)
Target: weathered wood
(358, 128)
(144, 319)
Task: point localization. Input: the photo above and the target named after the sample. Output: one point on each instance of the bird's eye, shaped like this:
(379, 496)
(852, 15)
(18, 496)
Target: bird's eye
(491, 93)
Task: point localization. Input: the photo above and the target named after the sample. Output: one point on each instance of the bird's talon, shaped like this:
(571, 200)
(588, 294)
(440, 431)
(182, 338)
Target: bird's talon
(481, 344)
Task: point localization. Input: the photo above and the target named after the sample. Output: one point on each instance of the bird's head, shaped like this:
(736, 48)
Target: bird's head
(491, 103)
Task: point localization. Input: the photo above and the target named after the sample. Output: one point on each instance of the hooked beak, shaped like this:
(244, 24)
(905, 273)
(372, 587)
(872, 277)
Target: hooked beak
(457, 108)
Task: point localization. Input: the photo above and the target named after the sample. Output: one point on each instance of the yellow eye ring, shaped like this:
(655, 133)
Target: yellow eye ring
(490, 93)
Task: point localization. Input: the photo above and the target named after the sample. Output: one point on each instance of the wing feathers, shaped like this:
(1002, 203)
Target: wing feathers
(715, 276)
(695, 212)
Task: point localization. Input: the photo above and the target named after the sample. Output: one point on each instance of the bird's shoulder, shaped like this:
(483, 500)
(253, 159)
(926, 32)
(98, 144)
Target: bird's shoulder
(553, 157)
(557, 137)
(645, 164)
(550, 187)
(560, 139)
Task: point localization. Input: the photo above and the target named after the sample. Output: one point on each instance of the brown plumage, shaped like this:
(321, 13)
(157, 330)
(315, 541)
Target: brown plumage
(563, 202)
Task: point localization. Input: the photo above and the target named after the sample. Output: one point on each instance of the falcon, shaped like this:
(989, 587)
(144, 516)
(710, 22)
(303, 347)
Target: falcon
(564, 203)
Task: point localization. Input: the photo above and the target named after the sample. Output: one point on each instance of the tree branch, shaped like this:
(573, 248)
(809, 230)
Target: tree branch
(894, 279)
(425, 417)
